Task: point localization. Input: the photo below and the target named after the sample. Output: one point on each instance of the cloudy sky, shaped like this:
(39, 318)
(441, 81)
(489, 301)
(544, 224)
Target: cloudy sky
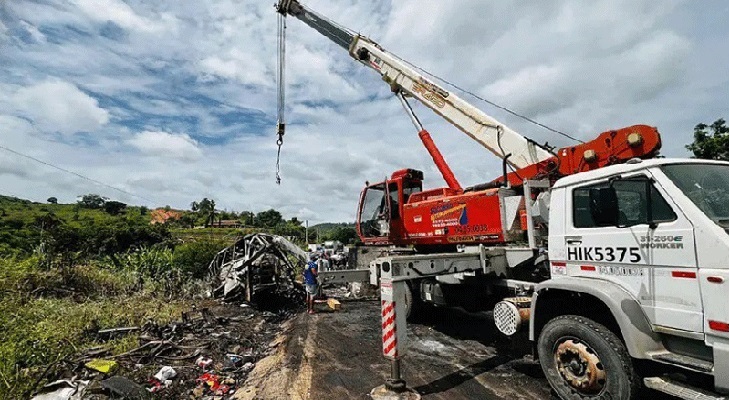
(176, 100)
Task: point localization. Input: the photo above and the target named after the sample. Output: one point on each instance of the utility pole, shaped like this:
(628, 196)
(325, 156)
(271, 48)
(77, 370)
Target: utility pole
(307, 235)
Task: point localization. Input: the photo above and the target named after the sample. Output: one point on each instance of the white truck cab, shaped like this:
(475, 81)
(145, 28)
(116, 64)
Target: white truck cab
(639, 255)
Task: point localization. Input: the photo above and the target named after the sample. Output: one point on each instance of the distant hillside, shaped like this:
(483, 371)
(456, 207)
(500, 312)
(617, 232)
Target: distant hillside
(24, 224)
(10, 200)
(328, 227)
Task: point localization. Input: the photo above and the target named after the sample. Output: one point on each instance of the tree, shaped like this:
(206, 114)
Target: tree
(52, 200)
(187, 220)
(210, 213)
(711, 141)
(114, 207)
(46, 221)
(344, 234)
(205, 208)
(93, 201)
(247, 217)
(269, 218)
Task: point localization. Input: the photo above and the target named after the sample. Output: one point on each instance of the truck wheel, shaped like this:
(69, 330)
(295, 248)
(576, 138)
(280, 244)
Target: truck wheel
(413, 303)
(584, 360)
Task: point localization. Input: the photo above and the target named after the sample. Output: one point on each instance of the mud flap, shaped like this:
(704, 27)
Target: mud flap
(721, 365)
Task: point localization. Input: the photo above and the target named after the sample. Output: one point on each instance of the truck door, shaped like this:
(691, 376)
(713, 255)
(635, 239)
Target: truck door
(372, 220)
(642, 242)
(395, 207)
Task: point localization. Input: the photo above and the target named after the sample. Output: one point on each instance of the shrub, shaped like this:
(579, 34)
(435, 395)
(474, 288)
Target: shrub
(194, 257)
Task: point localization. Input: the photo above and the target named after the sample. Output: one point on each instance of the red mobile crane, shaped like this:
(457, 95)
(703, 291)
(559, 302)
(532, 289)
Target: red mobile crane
(631, 268)
(399, 212)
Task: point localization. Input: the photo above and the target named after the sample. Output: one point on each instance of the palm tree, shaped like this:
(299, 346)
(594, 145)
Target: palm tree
(206, 208)
(211, 215)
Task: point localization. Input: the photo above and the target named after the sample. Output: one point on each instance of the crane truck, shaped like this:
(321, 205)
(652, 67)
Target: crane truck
(613, 259)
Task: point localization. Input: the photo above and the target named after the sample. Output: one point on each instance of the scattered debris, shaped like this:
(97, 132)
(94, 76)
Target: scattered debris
(107, 334)
(166, 373)
(103, 366)
(257, 263)
(204, 362)
(224, 341)
(65, 389)
(234, 361)
(247, 367)
(162, 379)
(334, 304)
(217, 385)
(210, 350)
(364, 291)
(125, 388)
(157, 385)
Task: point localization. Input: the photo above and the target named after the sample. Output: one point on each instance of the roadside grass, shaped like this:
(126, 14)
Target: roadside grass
(49, 315)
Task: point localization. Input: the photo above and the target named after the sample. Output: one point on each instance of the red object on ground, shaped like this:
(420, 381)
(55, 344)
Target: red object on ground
(212, 381)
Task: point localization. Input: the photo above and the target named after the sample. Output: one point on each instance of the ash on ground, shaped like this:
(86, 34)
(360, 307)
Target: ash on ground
(210, 350)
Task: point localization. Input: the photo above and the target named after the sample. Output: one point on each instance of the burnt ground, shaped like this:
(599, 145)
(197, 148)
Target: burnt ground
(212, 329)
(451, 355)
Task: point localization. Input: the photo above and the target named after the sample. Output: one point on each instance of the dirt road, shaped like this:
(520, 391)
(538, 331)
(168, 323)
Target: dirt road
(452, 355)
(337, 355)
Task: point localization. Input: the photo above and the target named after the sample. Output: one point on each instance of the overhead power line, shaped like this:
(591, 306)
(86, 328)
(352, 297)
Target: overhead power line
(74, 173)
(508, 110)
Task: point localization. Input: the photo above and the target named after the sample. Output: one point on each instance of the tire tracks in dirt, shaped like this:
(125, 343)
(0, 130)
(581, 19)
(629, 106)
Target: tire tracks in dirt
(287, 372)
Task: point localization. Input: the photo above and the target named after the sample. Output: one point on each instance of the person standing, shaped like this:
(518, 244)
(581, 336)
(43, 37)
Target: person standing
(324, 262)
(310, 281)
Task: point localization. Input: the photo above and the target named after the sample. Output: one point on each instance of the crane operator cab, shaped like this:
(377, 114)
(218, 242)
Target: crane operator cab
(379, 218)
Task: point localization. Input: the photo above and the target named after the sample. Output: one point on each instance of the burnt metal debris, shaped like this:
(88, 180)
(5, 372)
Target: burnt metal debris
(257, 265)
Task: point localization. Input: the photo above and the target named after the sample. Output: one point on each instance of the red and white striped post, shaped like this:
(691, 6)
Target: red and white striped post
(394, 328)
(389, 330)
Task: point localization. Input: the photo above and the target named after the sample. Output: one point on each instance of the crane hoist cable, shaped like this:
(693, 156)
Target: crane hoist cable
(281, 81)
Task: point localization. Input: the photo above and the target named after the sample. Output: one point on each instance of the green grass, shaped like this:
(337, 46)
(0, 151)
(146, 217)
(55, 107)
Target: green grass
(22, 227)
(40, 324)
(68, 271)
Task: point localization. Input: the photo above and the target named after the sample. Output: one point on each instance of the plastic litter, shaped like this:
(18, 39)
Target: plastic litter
(247, 367)
(158, 385)
(215, 384)
(165, 374)
(162, 379)
(65, 390)
(235, 361)
(103, 366)
(204, 362)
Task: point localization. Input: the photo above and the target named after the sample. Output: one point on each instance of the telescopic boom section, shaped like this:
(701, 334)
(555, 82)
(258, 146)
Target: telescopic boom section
(505, 143)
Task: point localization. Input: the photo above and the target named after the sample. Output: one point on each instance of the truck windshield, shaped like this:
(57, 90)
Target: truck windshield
(373, 207)
(707, 185)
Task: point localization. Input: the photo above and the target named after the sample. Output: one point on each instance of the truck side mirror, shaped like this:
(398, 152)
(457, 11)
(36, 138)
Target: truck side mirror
(604, 206)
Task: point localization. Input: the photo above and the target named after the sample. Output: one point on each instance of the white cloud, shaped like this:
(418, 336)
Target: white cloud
(208, 69)
(167, 145)
(237, 66)
(119, 12)
(59, 106)
(33, 31)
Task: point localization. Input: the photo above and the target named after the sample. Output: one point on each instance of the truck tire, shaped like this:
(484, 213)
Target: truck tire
(413, 304)
(584, 360)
